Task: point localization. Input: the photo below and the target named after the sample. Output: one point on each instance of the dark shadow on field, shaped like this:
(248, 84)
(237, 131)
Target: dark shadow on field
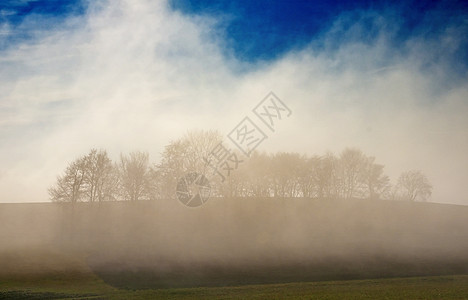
(234, 275)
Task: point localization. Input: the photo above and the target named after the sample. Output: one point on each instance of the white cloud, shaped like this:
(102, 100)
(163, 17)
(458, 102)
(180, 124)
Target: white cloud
(136, 75)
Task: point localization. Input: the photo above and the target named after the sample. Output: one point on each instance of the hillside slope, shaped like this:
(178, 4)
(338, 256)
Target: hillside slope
(234, 241)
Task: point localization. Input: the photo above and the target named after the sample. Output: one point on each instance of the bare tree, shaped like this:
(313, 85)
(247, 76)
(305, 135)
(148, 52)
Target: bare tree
(375, 182)
(70, 187)
(255, 176)
(326, 176)
(352, 163)
(238, 183)
(171, 167)
(100, 180)
(200, 144)
(182, 156)
(89, 178)
(286, 170)
(308, 177)
(110, 184)
(134, 176)
(413, 185)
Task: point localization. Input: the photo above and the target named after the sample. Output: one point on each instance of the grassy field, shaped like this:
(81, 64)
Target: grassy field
(79, 286)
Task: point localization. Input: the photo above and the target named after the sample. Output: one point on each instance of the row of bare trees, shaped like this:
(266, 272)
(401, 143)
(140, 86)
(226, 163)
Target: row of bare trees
(94, 178)
(351, 174)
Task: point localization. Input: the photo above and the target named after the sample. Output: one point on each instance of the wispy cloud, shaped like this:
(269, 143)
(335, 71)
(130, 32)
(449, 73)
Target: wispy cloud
(134, 75)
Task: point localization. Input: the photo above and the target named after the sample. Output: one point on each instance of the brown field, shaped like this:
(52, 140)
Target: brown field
(231, 242)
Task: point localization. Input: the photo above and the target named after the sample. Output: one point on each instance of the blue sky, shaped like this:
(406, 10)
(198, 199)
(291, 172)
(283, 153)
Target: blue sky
(390, 78)
(263, 30)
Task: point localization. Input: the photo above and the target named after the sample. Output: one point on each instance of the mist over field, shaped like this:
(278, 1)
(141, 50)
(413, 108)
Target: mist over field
(233, 241)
